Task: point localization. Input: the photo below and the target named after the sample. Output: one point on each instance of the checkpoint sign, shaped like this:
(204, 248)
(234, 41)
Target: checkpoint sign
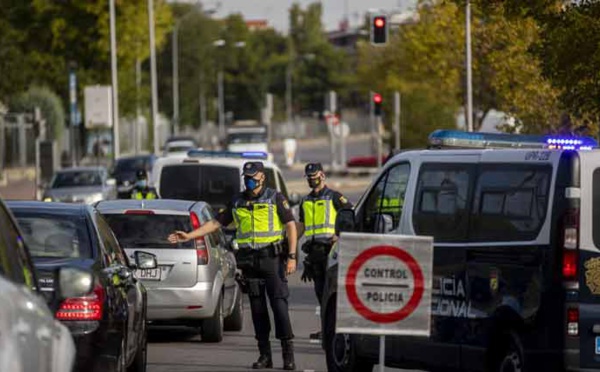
(384, 284)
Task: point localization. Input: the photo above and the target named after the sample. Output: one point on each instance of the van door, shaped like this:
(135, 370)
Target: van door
(441, 208)
(588, 272)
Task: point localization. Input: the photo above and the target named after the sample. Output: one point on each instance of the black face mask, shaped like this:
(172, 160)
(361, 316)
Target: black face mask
(314, 182)
(251, 184)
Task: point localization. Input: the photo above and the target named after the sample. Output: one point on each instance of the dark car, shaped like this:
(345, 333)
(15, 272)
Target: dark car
(125, 169)
(109, 325)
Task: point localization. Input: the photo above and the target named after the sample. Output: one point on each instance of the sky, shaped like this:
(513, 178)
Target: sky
(276, 11)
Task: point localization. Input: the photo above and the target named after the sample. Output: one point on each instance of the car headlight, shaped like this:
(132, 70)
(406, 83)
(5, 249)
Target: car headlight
(92, 198)
(47, 199)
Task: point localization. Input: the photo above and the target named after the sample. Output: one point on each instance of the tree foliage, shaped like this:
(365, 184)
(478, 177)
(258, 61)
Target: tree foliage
(49, 104)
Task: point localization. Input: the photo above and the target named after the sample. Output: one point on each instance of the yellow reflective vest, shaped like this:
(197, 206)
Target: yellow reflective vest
(257, 222)
(319, 216)
(138, 195)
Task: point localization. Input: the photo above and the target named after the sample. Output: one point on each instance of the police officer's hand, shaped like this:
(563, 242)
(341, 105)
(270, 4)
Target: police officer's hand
(179, 237)
(291, 267)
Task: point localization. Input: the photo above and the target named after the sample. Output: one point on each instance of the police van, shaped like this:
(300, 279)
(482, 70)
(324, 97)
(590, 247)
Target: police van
(516, 277)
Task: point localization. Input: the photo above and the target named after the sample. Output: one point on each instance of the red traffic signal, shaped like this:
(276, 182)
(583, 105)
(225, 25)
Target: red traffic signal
(377, 98)
(377, 101)
(379, 30)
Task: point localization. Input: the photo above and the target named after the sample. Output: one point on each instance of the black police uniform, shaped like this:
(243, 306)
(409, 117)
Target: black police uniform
(265, 272)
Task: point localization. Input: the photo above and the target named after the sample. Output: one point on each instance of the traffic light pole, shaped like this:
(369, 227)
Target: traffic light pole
(397, 110)
(379, 142)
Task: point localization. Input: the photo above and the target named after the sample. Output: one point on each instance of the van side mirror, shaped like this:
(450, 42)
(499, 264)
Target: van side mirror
(384, 223)
(345, 221)
(294, 199)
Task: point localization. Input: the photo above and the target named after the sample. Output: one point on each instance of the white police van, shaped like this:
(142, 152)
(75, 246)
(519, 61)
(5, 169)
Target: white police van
(516, 282)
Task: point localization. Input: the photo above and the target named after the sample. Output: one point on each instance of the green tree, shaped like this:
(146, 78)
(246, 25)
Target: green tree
(50, 106)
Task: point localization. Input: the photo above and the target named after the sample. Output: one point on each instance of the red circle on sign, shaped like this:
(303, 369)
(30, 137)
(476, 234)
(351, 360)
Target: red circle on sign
(357, 303)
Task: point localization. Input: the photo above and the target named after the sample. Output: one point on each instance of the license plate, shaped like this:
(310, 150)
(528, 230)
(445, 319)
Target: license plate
(148, 274)
(597, 345)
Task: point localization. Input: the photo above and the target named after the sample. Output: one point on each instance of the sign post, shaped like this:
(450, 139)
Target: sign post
(384, 286)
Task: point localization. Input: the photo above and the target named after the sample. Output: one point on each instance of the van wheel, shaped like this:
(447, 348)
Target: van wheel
(212, 328)
(235, 321)
(509, 356)
(340, 351)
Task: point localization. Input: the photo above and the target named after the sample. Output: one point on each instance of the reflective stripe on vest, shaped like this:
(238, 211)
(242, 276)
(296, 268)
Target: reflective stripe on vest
(257, 222)
(319, 217)
(140, 196)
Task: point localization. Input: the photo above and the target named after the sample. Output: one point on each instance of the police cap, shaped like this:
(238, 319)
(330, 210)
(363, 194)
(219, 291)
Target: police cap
(312, 169)
(252, 167)
(141, 174)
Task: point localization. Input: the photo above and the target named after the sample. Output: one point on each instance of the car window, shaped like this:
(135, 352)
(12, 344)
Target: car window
(387, 198)
(270, 178)
(214, 184)
(77, 179)
(148, 230)
(113, 252)
(15, 261)
(134, 164)
(57, 236)
(283, 186)
(442, 201)
(510, 203)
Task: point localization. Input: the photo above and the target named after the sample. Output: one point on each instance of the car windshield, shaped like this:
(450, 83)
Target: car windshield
(214, 184)
(55, 236)
(247, 138)
(148, 230)
(77, 179)
(179, 148)
(133, 164)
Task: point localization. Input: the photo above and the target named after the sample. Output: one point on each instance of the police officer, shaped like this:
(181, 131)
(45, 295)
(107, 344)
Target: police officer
(262, 217)
(141, 190)
(318, 211)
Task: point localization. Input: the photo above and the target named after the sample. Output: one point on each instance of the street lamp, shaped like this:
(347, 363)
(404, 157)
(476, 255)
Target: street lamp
(220, 89)
(469, 68)
(153, 76)
(115, 82)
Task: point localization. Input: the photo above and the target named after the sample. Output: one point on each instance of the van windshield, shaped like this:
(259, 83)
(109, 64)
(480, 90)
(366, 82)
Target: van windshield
(235, 138)
(214, 184)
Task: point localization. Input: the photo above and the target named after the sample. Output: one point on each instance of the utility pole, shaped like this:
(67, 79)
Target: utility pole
(397, 111)
(115, 80)
(288, 92)
(469, 69)
(221, 104)
(153, 77)
(73, 110)
(138, 111)
(176, 78)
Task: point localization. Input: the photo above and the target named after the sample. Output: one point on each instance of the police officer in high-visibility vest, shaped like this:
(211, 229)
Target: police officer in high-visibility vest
(318, 211)
(141, 190)
(263, 219)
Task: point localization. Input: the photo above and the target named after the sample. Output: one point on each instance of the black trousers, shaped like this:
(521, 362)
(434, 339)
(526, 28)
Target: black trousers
(319, 280)
(267, 279)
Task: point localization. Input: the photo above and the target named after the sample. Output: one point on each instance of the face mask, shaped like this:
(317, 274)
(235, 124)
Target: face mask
(314, 182)
(142, 183)
(250, 183)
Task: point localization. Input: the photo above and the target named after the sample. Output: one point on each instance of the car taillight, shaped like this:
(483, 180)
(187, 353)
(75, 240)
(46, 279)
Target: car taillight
(201, 251)
(573, 322)
(83, 308)
(570, 242)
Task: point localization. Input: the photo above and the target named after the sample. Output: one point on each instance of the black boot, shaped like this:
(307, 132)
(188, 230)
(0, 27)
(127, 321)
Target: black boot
(264, 360)
(287, 350)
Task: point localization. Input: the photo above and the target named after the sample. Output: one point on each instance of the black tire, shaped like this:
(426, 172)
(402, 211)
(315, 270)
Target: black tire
(140, 361)
(340, 351)
(235, 321)
(508, 355)
(212, 328)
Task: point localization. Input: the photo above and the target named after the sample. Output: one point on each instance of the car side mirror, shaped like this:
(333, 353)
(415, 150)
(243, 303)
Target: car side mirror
(345, 221)
(145, 260)
(294, 199)
(384, 223)
(111, 182)
(74, 282)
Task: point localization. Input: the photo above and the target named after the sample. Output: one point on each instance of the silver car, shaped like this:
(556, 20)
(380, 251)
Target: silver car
(194, 283)
(81, 185)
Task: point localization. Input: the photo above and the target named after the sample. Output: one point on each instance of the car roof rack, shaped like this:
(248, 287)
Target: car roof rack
(444, 138)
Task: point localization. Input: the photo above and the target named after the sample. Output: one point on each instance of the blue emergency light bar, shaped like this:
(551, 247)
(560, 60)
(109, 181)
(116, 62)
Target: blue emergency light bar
(256, 155)
(458, 139)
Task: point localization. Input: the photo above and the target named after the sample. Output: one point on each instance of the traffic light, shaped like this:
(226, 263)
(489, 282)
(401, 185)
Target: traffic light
(379, 30)
(377, 101)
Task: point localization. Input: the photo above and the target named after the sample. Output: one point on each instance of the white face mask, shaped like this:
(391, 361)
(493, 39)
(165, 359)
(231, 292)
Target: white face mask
(142, 183)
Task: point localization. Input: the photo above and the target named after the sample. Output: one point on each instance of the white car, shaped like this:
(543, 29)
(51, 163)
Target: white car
(179, 147)
(30, 338)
